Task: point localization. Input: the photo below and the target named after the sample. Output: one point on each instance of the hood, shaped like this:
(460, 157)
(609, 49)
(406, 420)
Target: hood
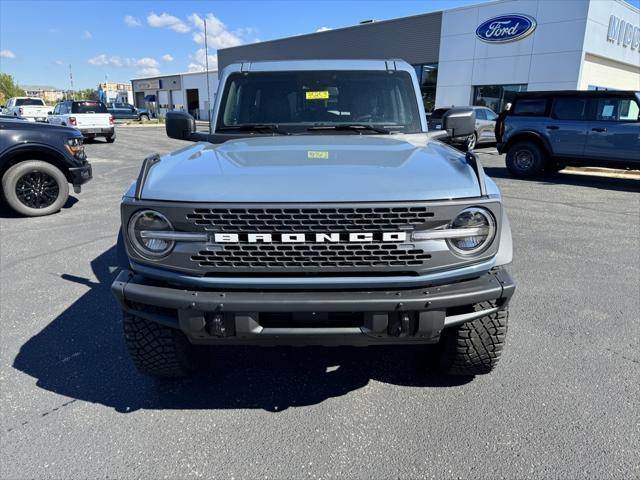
(313, 168)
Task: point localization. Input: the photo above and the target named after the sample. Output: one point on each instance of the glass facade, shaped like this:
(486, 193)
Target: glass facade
(496, 96)
(427, 78)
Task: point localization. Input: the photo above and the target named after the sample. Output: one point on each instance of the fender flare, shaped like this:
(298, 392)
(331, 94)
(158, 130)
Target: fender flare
(60, 160)
(524, 135)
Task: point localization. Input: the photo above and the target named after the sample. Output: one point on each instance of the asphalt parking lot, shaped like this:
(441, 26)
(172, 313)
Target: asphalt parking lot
(563, 403)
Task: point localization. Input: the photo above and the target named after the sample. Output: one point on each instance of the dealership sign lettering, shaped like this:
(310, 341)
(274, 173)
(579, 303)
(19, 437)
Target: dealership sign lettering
(506, 28)
(623, 33)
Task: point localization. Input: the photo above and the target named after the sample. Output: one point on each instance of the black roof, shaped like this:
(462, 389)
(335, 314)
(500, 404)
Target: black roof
(582, 93)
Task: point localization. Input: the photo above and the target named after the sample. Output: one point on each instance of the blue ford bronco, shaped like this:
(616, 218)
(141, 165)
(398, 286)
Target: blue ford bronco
(318, 211)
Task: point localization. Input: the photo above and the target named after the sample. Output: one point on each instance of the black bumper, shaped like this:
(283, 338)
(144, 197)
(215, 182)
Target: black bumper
(313, 317)
(81, 175)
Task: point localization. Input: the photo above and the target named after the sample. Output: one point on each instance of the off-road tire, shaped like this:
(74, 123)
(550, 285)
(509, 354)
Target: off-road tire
(15, 173)
(159, 351)
(525, 160)
(474, 348)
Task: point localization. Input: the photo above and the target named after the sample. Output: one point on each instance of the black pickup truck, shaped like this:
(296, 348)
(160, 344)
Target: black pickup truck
(37, 163)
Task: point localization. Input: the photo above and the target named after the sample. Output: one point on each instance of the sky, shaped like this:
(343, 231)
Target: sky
(119, 40)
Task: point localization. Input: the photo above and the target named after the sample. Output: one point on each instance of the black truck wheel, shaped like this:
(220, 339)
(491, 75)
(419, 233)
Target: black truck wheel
(525, 160)
(35, 188)
(159, 351)
(474, 348)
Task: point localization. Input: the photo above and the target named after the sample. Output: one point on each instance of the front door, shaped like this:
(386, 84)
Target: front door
(615, 132)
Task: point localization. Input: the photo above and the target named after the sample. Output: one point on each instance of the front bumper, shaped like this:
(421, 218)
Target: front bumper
(81, 175)
(313, 317)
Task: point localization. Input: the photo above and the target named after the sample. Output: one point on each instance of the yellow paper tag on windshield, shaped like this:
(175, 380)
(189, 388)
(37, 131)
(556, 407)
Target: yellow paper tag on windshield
(317, 154)
(323, 95)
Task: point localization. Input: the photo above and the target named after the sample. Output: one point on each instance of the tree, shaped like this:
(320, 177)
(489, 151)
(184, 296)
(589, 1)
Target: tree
(9, 88)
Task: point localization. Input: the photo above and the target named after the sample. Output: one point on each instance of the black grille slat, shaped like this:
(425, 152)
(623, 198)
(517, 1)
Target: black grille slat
(292, 220)
(310, 256)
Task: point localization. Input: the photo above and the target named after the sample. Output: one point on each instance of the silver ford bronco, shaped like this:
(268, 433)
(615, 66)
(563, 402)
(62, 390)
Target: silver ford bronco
(318, 211)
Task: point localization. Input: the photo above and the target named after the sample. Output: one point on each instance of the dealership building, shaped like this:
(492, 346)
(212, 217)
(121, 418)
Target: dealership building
(181, 91)
(484, 53)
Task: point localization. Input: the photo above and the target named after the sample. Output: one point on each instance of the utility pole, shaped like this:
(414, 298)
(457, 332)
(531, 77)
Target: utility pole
(206, 62)
(71, 81)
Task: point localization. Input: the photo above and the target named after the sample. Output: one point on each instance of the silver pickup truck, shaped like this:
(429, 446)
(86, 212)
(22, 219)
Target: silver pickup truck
(319, 211)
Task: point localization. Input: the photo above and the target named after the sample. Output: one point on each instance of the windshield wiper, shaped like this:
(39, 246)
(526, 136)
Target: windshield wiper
(350, 126)
(254, 127)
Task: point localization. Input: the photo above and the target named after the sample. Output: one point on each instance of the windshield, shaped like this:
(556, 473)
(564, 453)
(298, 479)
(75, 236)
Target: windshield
(297, 101)
(21, 102)
(88, 107)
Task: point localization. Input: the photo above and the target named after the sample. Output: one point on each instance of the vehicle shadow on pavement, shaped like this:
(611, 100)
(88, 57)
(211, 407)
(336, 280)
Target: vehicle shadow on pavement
(577, 180)
(81, 354)
(6, 212)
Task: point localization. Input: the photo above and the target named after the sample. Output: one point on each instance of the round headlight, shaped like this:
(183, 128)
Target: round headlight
(141, 228)
(480, 230)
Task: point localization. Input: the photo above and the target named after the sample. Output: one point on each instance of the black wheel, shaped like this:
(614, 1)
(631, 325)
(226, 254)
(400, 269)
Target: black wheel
(35, 188)
(525, 159)
(474, 348)
(111, 138)
(159, 351)
(144, 118)
(472, 141)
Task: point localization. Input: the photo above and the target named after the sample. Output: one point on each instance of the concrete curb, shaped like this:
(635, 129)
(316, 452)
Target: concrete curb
(603, 172)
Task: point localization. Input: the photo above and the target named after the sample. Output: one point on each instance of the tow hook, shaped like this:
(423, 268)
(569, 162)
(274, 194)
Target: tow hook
(401, 325)
(219, 325)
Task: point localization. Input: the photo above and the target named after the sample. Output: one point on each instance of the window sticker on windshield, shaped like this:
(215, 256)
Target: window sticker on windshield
(321, 95)
(318, 154)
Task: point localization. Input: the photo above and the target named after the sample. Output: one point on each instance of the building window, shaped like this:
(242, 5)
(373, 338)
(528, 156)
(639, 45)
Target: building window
(427, 79)
(496, 96)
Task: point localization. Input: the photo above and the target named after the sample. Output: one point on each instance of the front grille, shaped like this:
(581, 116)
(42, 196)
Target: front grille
(325, 256)
(319, 220)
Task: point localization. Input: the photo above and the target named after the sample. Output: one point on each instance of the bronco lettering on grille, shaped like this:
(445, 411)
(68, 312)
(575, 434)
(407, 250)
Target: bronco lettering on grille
(360, 237)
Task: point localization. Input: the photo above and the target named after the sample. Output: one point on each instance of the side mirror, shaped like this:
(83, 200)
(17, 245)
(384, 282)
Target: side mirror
(179, 125)
(459, 122)
(49, 113)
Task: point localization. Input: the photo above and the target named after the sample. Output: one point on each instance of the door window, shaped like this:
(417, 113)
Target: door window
(490, 115)
(617, 109)
(570, 108)
(481, 114)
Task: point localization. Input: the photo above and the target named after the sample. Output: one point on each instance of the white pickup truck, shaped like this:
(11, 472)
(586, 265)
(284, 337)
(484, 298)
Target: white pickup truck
(32, 109)
(91, 117)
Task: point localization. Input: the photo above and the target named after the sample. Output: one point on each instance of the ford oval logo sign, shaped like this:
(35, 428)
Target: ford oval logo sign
(506, 28)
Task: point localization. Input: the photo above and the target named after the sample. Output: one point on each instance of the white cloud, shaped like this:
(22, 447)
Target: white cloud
(199, 64)
(7, 54)
(323, 29)
(131, 21)
(167, 58)
(165, 20)
(87, 35)
(217, 34)
(144, 65)
(104, 59)
(59, 62)
(150, 71)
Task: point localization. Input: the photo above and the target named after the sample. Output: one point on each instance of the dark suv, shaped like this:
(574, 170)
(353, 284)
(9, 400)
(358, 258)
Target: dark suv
(37, 163)
(546, 131)
(126, 111)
